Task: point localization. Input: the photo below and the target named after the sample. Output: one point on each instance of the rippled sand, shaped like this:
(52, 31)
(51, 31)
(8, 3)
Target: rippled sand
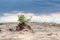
(40, 33)
(30, 36)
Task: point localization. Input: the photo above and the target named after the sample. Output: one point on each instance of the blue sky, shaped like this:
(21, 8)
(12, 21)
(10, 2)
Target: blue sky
(36, 7)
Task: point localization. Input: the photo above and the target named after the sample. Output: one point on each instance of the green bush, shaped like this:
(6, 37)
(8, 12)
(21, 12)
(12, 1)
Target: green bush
(22, 18)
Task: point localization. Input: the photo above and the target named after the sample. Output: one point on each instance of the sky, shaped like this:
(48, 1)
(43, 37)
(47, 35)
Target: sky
(40, 10)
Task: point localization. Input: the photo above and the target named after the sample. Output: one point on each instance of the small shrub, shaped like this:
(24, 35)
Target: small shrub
(22, 23)
(22, 19)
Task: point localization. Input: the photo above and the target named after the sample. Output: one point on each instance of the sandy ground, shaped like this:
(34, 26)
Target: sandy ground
(40, 33)
(30, 36)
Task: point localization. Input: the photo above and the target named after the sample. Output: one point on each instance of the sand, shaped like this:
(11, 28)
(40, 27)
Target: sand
(40, 33)
(30, 36)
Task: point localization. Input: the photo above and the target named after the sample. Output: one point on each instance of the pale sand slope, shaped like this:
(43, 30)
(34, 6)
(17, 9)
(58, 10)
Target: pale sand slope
(42, 32)
(30, 36)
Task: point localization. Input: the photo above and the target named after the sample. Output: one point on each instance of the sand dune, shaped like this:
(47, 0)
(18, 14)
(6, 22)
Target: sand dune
(42, 32)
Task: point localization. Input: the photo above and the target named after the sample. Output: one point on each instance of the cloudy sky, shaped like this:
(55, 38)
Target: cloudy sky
(40, 10)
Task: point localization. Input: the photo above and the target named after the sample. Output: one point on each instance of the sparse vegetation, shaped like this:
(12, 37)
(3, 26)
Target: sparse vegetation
(22, 23)
(23, 19)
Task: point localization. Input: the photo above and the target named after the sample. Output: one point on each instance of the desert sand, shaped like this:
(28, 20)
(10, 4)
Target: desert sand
(42, 31)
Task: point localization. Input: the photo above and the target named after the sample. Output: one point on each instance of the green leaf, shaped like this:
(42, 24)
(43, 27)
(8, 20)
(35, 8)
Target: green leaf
(22, 18)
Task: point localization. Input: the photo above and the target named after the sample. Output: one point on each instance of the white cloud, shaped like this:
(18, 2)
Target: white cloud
(13, 17)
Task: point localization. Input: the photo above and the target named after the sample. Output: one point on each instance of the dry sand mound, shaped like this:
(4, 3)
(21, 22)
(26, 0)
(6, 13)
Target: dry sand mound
(30, 36)
(42, 32)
